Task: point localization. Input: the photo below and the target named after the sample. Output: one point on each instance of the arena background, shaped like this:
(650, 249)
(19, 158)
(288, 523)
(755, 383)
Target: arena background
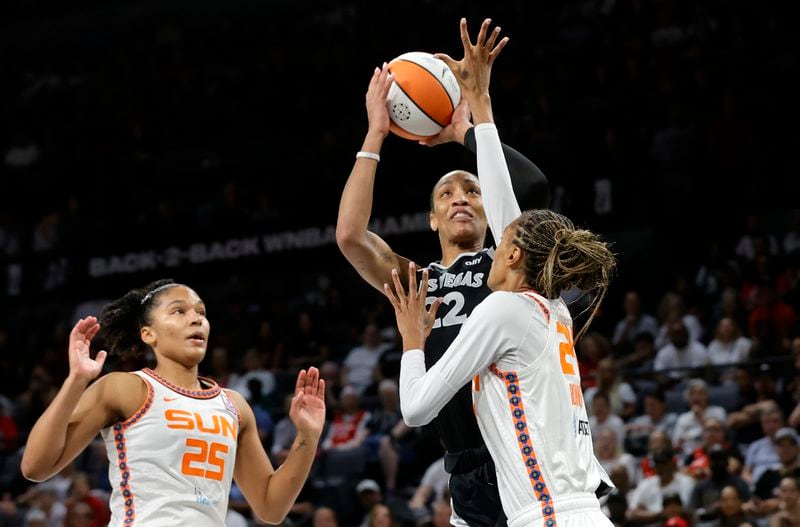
(209, 142)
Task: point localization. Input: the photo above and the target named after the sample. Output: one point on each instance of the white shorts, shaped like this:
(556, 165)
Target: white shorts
(571, 511)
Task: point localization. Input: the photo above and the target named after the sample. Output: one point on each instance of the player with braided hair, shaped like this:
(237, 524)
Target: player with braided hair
(517, 346)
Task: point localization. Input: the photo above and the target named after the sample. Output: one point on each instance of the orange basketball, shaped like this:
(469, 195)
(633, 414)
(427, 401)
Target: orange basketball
(422, 97)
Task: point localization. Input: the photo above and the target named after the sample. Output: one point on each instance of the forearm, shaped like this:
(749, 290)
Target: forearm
(529, 183)
(286, 483)
(355, 206)
(422, 395)
(499, 201)
(48, 436)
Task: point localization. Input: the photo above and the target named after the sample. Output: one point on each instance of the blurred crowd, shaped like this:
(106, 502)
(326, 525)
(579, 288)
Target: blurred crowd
(670, 118)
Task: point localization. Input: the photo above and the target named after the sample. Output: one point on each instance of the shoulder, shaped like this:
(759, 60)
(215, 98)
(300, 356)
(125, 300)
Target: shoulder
(246, 414)
(237, 398)
(500, 304)
(120, 393)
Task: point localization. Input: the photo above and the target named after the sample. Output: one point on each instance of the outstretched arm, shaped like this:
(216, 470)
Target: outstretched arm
(478, 344)
(271, 493)
(367, 252)
(473, 73)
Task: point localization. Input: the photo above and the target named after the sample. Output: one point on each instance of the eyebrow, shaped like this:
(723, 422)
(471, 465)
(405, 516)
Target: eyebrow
(179, 301)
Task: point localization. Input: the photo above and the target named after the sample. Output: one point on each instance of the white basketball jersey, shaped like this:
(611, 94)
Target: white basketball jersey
(535, 421)
(171, 463)
(528, 403)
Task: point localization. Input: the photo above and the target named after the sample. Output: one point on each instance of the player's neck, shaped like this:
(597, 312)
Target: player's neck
(451, 251)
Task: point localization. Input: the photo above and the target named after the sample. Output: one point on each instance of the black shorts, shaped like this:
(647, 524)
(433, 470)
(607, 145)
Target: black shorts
(473, 487)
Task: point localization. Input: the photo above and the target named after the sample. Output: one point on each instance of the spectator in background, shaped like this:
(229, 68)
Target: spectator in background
(791, 240)
(380, 516)
(305, 345)
(689, 427)
(348, 429)
(771, 320)
(787, 443)
(763, 396)
(80, 514)
(259, 403)
(728, 347)
(324, 517)
(610, 454)
(763, 454)
(253, 366)
(658, 440)
(384, 428)
(707, 494)
(634, 322)
(698, 463)
(359, 364)
(431, 489)
(646, 503)
(681, 353)
(592, 348)
(603, 417)
(728, 306)
(755, 240)
(81, 497)
(220, 367)
(641, 358)
(788, 514)
(620, 394)
(441, 513)
(730, 512)
(673, 511)
(671, 310)
(655, 417)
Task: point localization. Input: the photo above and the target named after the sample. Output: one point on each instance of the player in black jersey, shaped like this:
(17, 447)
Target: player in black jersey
(459, 277)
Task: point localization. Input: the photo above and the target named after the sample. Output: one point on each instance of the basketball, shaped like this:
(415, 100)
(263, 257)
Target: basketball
(422, 97)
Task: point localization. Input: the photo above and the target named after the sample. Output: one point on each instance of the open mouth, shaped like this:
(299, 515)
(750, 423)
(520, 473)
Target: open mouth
(196, 338)
(461, 215)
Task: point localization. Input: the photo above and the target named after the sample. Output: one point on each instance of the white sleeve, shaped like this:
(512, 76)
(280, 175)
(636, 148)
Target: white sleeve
(499, 202)
(491, 330)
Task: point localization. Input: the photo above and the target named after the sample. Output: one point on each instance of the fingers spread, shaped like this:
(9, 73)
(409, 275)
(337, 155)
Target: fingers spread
(492, 38)
(482, 33)
(301, 382)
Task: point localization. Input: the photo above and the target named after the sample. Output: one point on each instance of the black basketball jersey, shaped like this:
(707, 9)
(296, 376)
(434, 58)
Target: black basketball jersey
(462, 286)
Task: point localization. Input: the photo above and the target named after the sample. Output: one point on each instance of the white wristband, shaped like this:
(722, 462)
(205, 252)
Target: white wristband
(368, 155)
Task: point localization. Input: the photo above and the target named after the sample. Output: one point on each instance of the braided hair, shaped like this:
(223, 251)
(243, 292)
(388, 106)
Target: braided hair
(122, 319)
(558, 256)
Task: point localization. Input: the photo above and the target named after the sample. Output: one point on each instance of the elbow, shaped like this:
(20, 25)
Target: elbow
(412, 416)
(271, 519)
(31, 472)
(346, 237)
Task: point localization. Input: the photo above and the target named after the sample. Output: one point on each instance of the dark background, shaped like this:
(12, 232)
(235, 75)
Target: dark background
(130, 126)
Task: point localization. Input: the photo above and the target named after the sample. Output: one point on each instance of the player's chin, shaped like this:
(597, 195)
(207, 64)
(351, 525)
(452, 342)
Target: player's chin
(464, 231)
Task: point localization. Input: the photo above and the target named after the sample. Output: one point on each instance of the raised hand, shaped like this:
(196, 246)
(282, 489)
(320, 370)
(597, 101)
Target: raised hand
(377, 113)
(308, 404)
(474, 70)
(414, 321)
(81, 365)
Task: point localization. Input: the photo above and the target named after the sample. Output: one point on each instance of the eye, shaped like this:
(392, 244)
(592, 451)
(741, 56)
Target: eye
(178, 310)
(444, 194)
(474, 191)
(201, 312)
